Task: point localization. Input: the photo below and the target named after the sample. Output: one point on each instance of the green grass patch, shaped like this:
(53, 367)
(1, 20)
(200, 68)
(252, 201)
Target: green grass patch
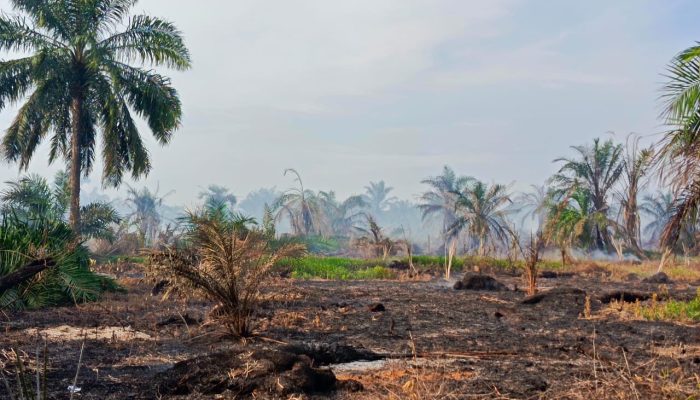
(671, 310)
(336, 268)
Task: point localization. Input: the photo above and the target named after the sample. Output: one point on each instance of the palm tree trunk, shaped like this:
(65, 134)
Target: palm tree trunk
(76, 114)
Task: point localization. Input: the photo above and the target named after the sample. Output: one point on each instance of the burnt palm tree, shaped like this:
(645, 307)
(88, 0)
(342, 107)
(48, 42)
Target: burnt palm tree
(82, 77)
(660, 208)
(596, 170)
(636, 165)
(536, 203)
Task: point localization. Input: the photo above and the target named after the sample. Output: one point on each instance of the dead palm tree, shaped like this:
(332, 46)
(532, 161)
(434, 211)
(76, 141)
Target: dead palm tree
(636, 165)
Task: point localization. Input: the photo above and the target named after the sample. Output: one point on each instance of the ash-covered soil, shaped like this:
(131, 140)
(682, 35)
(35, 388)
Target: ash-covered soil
(425, 340)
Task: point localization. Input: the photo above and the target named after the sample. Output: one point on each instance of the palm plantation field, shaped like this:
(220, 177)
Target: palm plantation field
(586, 286)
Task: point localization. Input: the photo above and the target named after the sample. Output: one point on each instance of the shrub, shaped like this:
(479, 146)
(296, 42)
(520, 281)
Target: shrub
(65, 276)
(226, 262)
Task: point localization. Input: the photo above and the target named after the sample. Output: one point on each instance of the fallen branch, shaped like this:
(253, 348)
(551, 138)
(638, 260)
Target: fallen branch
(25, 273)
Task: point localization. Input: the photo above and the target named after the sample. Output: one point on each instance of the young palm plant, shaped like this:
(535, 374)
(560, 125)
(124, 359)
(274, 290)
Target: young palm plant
(83, 73)
(226, 261)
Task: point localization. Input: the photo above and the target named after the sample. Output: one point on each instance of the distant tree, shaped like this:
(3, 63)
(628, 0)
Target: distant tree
(377, 196)
(216, 195)
(78, 79)
(636, 165)
(595, 170)
(482, 211)
(32, 198)
(255, 202)
(302, 207)
(341, 216)
(439, 200)
(661, 208)
(536, 204)
(145, 214)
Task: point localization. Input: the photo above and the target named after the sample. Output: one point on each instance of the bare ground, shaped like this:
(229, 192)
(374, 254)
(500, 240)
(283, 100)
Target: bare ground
(434, 341)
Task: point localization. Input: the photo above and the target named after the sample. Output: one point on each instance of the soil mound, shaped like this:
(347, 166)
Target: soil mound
(333, 353)
(472, 281)
(624, 295)
(563, 301)
(241, 373)
(659, 277)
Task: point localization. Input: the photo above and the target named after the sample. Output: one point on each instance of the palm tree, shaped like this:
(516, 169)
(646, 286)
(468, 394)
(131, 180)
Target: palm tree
(637, 163)
(216, 195)
(440, 200)
(302, 207)
(482, 211)
(678, 152)
(145, 213)
(31, 198)
(79, 78)
(536, 204)
(377, 196)
(596, 170)
(341, 216)
(660, 208)
(373, 238)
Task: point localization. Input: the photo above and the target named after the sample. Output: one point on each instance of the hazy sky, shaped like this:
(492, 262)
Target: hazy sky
(352, 91)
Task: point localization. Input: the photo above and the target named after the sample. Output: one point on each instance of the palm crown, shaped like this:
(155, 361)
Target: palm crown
(78, 79)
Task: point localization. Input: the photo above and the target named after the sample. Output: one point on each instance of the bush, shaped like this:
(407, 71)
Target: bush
(67, 277)
(226, 262)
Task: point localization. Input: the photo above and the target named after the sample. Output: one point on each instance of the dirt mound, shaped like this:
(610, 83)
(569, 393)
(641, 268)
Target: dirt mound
(624, 295)
(563, 301)
(593, 270)
(333, 353)
(240, 372)
(555, 274)
(659, 277)
(472, 281)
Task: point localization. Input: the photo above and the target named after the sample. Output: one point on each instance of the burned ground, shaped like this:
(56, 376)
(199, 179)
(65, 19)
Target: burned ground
(429, 341)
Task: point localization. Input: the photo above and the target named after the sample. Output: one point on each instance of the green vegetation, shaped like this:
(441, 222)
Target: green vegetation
(671, 310)
(82, 79)
(336, 268)
(66, 277)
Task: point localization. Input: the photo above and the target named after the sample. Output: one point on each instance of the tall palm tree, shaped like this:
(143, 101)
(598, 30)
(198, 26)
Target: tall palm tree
(377, 196)
(482, 211)
(216, 195)
(595, 169)
(439, 199)
(80, 79)
(678, 152)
